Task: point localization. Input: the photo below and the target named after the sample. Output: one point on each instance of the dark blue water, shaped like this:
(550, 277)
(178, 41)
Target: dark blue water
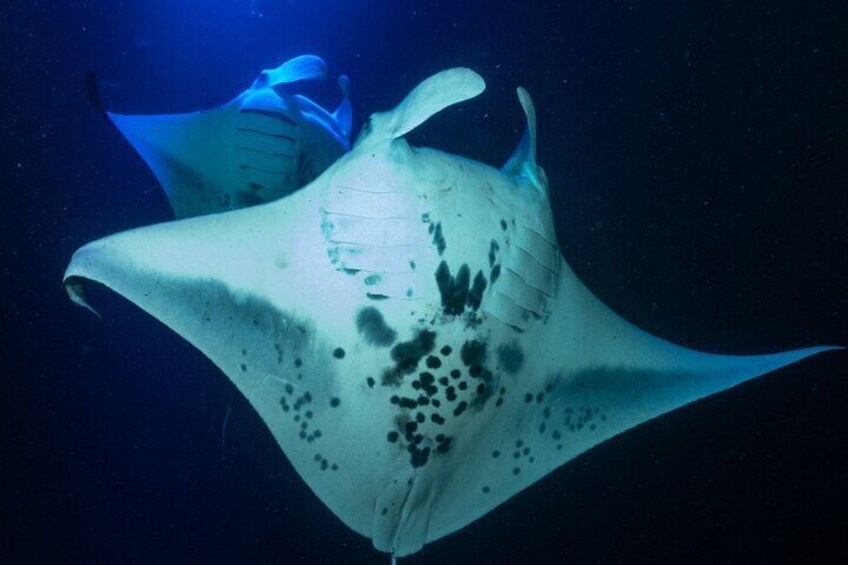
(698, 161)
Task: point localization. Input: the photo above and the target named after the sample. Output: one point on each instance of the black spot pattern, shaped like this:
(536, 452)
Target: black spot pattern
(510, 357)
(458, 292)
(473, 352)
(373, 328)
(406, 356)
(438, 238)
(453, 290)
(427, 403)
(475, 295)
(493, 252)
(496, 272)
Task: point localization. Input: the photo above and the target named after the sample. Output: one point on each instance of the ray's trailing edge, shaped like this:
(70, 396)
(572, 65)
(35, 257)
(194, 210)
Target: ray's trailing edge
(406, 324)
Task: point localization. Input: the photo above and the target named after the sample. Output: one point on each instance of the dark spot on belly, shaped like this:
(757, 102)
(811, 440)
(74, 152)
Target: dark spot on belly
(475, 295)
(420, 456)
(407, 355)
(439, 238)
(339, 353)
(510, 357)
(460, 408)
(493, 251)
(473, 352)
(453, 290)
(373, 328)
(496, 272)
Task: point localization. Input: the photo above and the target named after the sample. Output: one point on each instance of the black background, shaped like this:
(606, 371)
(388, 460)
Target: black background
(698, 162)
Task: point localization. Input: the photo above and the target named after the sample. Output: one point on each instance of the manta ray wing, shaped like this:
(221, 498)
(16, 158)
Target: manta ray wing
(260, 146)
(407, 328)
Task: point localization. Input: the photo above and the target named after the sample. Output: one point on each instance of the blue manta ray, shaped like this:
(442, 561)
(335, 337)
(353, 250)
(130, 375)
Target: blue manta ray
(407, 328)
(264, 144)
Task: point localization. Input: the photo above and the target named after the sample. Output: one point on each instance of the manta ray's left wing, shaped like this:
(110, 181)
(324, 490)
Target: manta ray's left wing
(256, 148)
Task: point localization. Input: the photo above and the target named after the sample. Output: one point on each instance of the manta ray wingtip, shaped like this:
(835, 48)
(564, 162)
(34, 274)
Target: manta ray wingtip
(75, 287)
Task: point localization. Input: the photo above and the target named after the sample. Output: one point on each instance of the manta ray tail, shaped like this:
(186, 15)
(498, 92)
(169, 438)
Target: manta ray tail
(92, 92)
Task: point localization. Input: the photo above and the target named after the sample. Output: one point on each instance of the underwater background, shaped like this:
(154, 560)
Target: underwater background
(698, 164)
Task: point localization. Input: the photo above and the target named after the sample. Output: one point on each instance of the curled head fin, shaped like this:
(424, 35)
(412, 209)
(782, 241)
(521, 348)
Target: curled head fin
(344, 113)
(304, 67)
(431, 96)
(522, 166)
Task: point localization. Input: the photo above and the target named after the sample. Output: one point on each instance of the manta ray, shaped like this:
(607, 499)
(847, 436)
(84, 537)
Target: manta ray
(262, 145)
(407, 328)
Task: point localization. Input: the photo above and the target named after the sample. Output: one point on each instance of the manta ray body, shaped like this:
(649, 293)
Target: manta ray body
(262, 145)
(407, 328)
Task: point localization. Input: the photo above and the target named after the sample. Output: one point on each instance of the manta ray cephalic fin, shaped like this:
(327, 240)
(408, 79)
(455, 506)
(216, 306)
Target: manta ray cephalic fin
(303, 67)
(522, 165)
(344, 113)
(431, 96)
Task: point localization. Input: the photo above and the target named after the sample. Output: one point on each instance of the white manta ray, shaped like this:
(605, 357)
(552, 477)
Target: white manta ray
(264, 144)
(407, 328)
